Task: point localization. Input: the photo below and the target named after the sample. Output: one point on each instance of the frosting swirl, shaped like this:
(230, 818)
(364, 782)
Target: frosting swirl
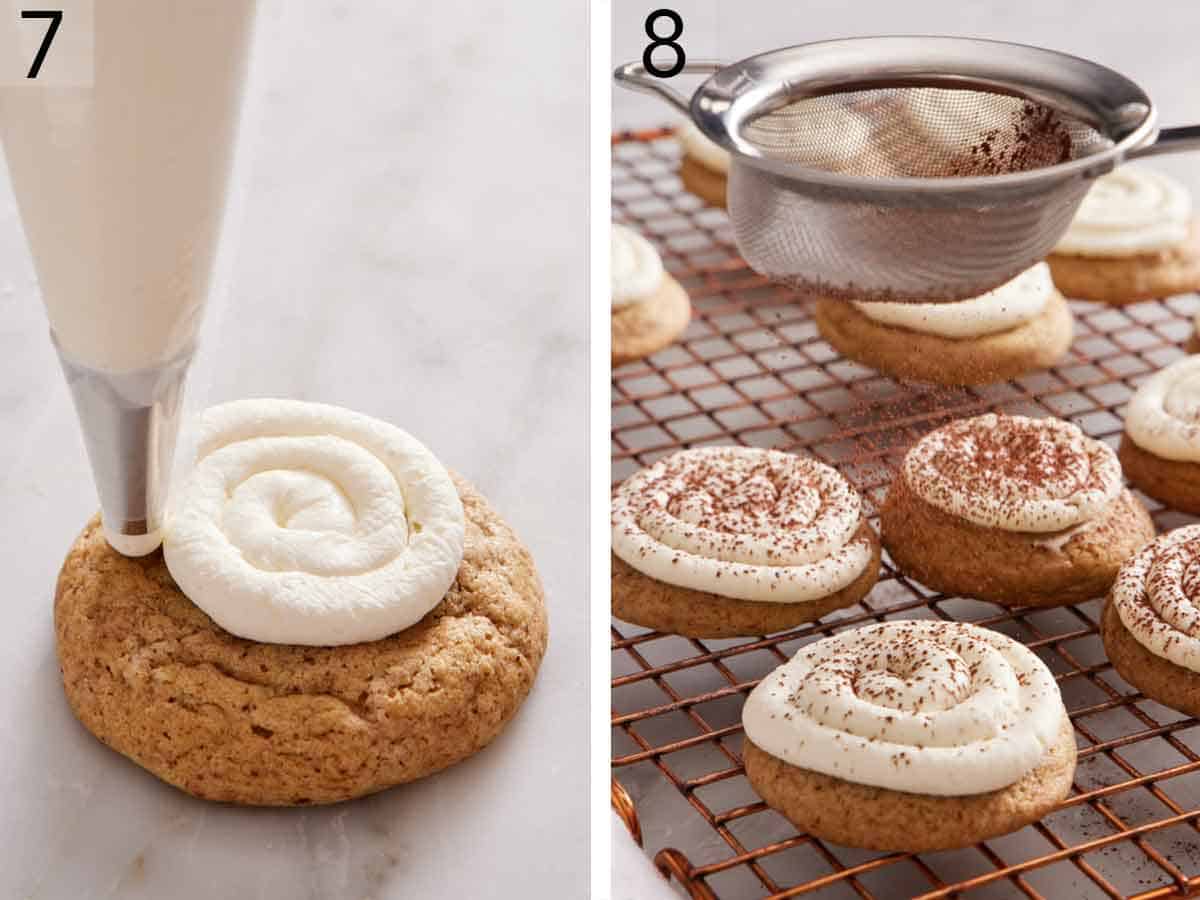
(1129, 211)
(1157, 595)
(926, 707)
(1163, 415)
(702, 148)
(1014, 473)
(310, 524)
(637, 269)
(1007, 307)
(742, 522)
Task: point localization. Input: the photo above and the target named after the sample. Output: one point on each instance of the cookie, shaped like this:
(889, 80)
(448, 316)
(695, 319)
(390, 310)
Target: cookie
(237, 721)
(729, 541)
(977, 341)
(703, 166)
(910, 737)
(669, 608)
(1015, 511)
(1132, 239)
(1141, 623)
(650, 309)
(1160, 449)
(707, 184)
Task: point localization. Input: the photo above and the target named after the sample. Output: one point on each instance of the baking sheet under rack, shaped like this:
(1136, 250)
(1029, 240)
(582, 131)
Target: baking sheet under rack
(752, 369)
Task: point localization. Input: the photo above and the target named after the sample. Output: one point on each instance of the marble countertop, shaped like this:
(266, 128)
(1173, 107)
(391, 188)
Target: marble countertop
(389, 259)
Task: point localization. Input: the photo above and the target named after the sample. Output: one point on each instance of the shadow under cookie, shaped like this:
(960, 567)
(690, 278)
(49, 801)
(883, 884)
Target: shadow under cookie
(859, 815)
(226, 719)
(1040, 342)
(1175, 482)
(1130, 279)
(645, 601)
(1157, 678)
(954, 556)
(646, 326)
(707, 184)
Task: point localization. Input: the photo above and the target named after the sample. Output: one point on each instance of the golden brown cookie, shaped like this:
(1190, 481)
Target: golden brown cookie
(1129, 279)
(955, 556)
(236, 721)
(647, 326)
(1041, 342)
(645, 601)
(1174, 482)
(1157, 678)
(859, 815)
(707, 184)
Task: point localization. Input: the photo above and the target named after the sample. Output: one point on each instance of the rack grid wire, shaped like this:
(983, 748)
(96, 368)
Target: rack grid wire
(752, 369)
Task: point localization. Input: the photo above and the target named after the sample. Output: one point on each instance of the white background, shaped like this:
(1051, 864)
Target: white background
(413, 246)
(1154, 42)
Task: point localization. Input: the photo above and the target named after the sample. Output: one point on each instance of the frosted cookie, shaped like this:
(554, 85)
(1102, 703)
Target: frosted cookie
(1019, 327)
(1133, 238)
(726, 541)
(320, 536)
(1013, 510)
(1151, 623)
(650, 309)
(704, 165)
(910, 736)
(1160, 449)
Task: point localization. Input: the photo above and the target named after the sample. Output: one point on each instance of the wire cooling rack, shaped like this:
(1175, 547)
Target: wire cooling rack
(752, 369)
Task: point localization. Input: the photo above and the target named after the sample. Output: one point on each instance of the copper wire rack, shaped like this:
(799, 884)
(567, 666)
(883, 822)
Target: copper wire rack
(752, 369)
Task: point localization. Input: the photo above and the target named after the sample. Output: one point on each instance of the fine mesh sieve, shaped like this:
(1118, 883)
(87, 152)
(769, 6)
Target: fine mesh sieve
(912, 168)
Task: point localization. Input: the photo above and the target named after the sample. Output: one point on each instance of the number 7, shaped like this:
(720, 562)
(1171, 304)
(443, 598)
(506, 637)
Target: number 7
(55, 16)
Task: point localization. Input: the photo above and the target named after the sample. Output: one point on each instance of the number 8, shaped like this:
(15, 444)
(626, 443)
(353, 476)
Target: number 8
(664, 41)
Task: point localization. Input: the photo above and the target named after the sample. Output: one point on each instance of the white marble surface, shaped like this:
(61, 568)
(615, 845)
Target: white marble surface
(413, 245)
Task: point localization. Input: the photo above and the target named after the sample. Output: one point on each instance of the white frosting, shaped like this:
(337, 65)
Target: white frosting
(741, 522)
(1157, 593)
(942, 708)
(1129, 211)
(310, 524)
(1163, 416)
(1014, 473)
(1012, 304)
(704, 150)
(637, 269)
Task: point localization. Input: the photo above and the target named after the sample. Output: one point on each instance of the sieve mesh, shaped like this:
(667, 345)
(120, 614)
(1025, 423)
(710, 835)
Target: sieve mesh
(921, 132)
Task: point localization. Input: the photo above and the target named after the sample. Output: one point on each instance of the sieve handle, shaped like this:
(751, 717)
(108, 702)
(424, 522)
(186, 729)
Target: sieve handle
(634, 76)
(1170, 140)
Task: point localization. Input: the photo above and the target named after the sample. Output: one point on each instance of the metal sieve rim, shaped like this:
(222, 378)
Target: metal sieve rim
(735, 94)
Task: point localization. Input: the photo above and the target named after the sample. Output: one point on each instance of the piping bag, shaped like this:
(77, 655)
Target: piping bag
(121, 179)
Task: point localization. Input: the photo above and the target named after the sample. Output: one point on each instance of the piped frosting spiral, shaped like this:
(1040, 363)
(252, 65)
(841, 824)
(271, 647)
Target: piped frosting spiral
(741, 522)
(941, 708)
(1163, 415)
(303, 523)
(1130, 211)
(1157, 595)
(637, 269)
(1007, 307)
(1014, 473)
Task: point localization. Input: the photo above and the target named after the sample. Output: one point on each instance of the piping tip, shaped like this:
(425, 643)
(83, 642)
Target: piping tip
(130, 422)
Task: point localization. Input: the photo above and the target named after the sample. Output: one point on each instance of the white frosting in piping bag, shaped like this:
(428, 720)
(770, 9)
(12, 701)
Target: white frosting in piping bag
(1157, 595)
(939, 708)
(1164, 414)
(1014, 473)
(1130, 210)
(311, 524)
(741, 522)
(637, 269)
(1011, 305)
